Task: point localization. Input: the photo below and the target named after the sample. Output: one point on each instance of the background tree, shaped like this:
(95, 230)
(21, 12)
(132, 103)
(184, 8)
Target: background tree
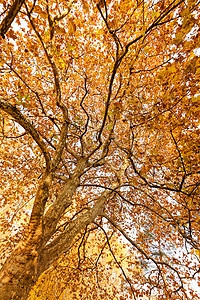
(100, 130)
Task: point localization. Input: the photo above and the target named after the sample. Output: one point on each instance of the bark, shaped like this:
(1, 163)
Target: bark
(19, 272)
(7, 21)
(61, 244)
(27, 262)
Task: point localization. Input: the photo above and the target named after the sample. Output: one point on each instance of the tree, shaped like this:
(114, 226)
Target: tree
(100, 131)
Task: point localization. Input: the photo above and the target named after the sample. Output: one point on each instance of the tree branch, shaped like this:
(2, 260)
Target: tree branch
(20, 119)
(61, 244)
(9, 18)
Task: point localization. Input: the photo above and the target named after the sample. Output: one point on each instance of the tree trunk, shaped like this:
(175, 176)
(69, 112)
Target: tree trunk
(28, 261)
(18, 274)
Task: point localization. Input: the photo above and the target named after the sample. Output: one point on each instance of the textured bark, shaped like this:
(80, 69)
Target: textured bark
(22, 268)
(19, 272)
(27, 262)
(61, 244)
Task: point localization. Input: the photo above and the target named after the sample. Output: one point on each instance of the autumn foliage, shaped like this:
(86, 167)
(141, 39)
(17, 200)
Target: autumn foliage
(100, 149)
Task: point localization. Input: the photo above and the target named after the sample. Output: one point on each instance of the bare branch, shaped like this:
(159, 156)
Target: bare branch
(119, 265)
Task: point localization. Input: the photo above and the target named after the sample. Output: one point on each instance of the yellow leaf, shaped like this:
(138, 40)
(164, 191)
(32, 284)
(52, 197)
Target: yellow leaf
(185, 12)
(196, 99)
(178, 39)
(60, 30)
(155, 14)
(72, 26)
(85, 6)
(38, 10)
(197, 252)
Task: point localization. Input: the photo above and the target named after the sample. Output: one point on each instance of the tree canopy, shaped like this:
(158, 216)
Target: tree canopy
(100, 141)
